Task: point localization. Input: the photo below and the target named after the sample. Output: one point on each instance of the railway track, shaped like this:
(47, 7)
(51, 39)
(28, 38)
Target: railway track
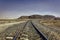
(28, 32)
(40, 33)
(19, 33)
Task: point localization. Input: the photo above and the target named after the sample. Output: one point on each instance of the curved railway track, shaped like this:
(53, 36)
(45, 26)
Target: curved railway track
(28, 31)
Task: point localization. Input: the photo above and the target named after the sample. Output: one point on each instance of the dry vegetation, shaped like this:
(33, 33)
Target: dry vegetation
(5, 23)
(52, 23)
(51, 33)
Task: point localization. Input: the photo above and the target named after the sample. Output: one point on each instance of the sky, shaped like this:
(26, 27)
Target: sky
(17, 8)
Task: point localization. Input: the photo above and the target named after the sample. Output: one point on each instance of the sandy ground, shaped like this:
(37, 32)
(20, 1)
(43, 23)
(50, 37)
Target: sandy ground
(5, 26)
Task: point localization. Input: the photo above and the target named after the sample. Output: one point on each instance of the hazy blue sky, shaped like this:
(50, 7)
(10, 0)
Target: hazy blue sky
(16, 8)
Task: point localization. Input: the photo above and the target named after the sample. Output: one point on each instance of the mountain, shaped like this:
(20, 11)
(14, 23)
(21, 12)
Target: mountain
(38, 17)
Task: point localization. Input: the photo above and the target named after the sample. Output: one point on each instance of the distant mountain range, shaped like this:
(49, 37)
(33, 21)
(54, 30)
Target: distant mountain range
(39, 17)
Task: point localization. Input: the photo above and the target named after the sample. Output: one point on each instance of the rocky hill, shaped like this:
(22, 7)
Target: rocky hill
(39, 17)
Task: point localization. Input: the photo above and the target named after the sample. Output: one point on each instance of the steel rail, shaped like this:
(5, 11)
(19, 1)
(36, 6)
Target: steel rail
(17, 33)
(39, 32)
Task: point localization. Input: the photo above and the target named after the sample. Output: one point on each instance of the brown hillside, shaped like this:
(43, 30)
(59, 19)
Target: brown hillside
(38, 17)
